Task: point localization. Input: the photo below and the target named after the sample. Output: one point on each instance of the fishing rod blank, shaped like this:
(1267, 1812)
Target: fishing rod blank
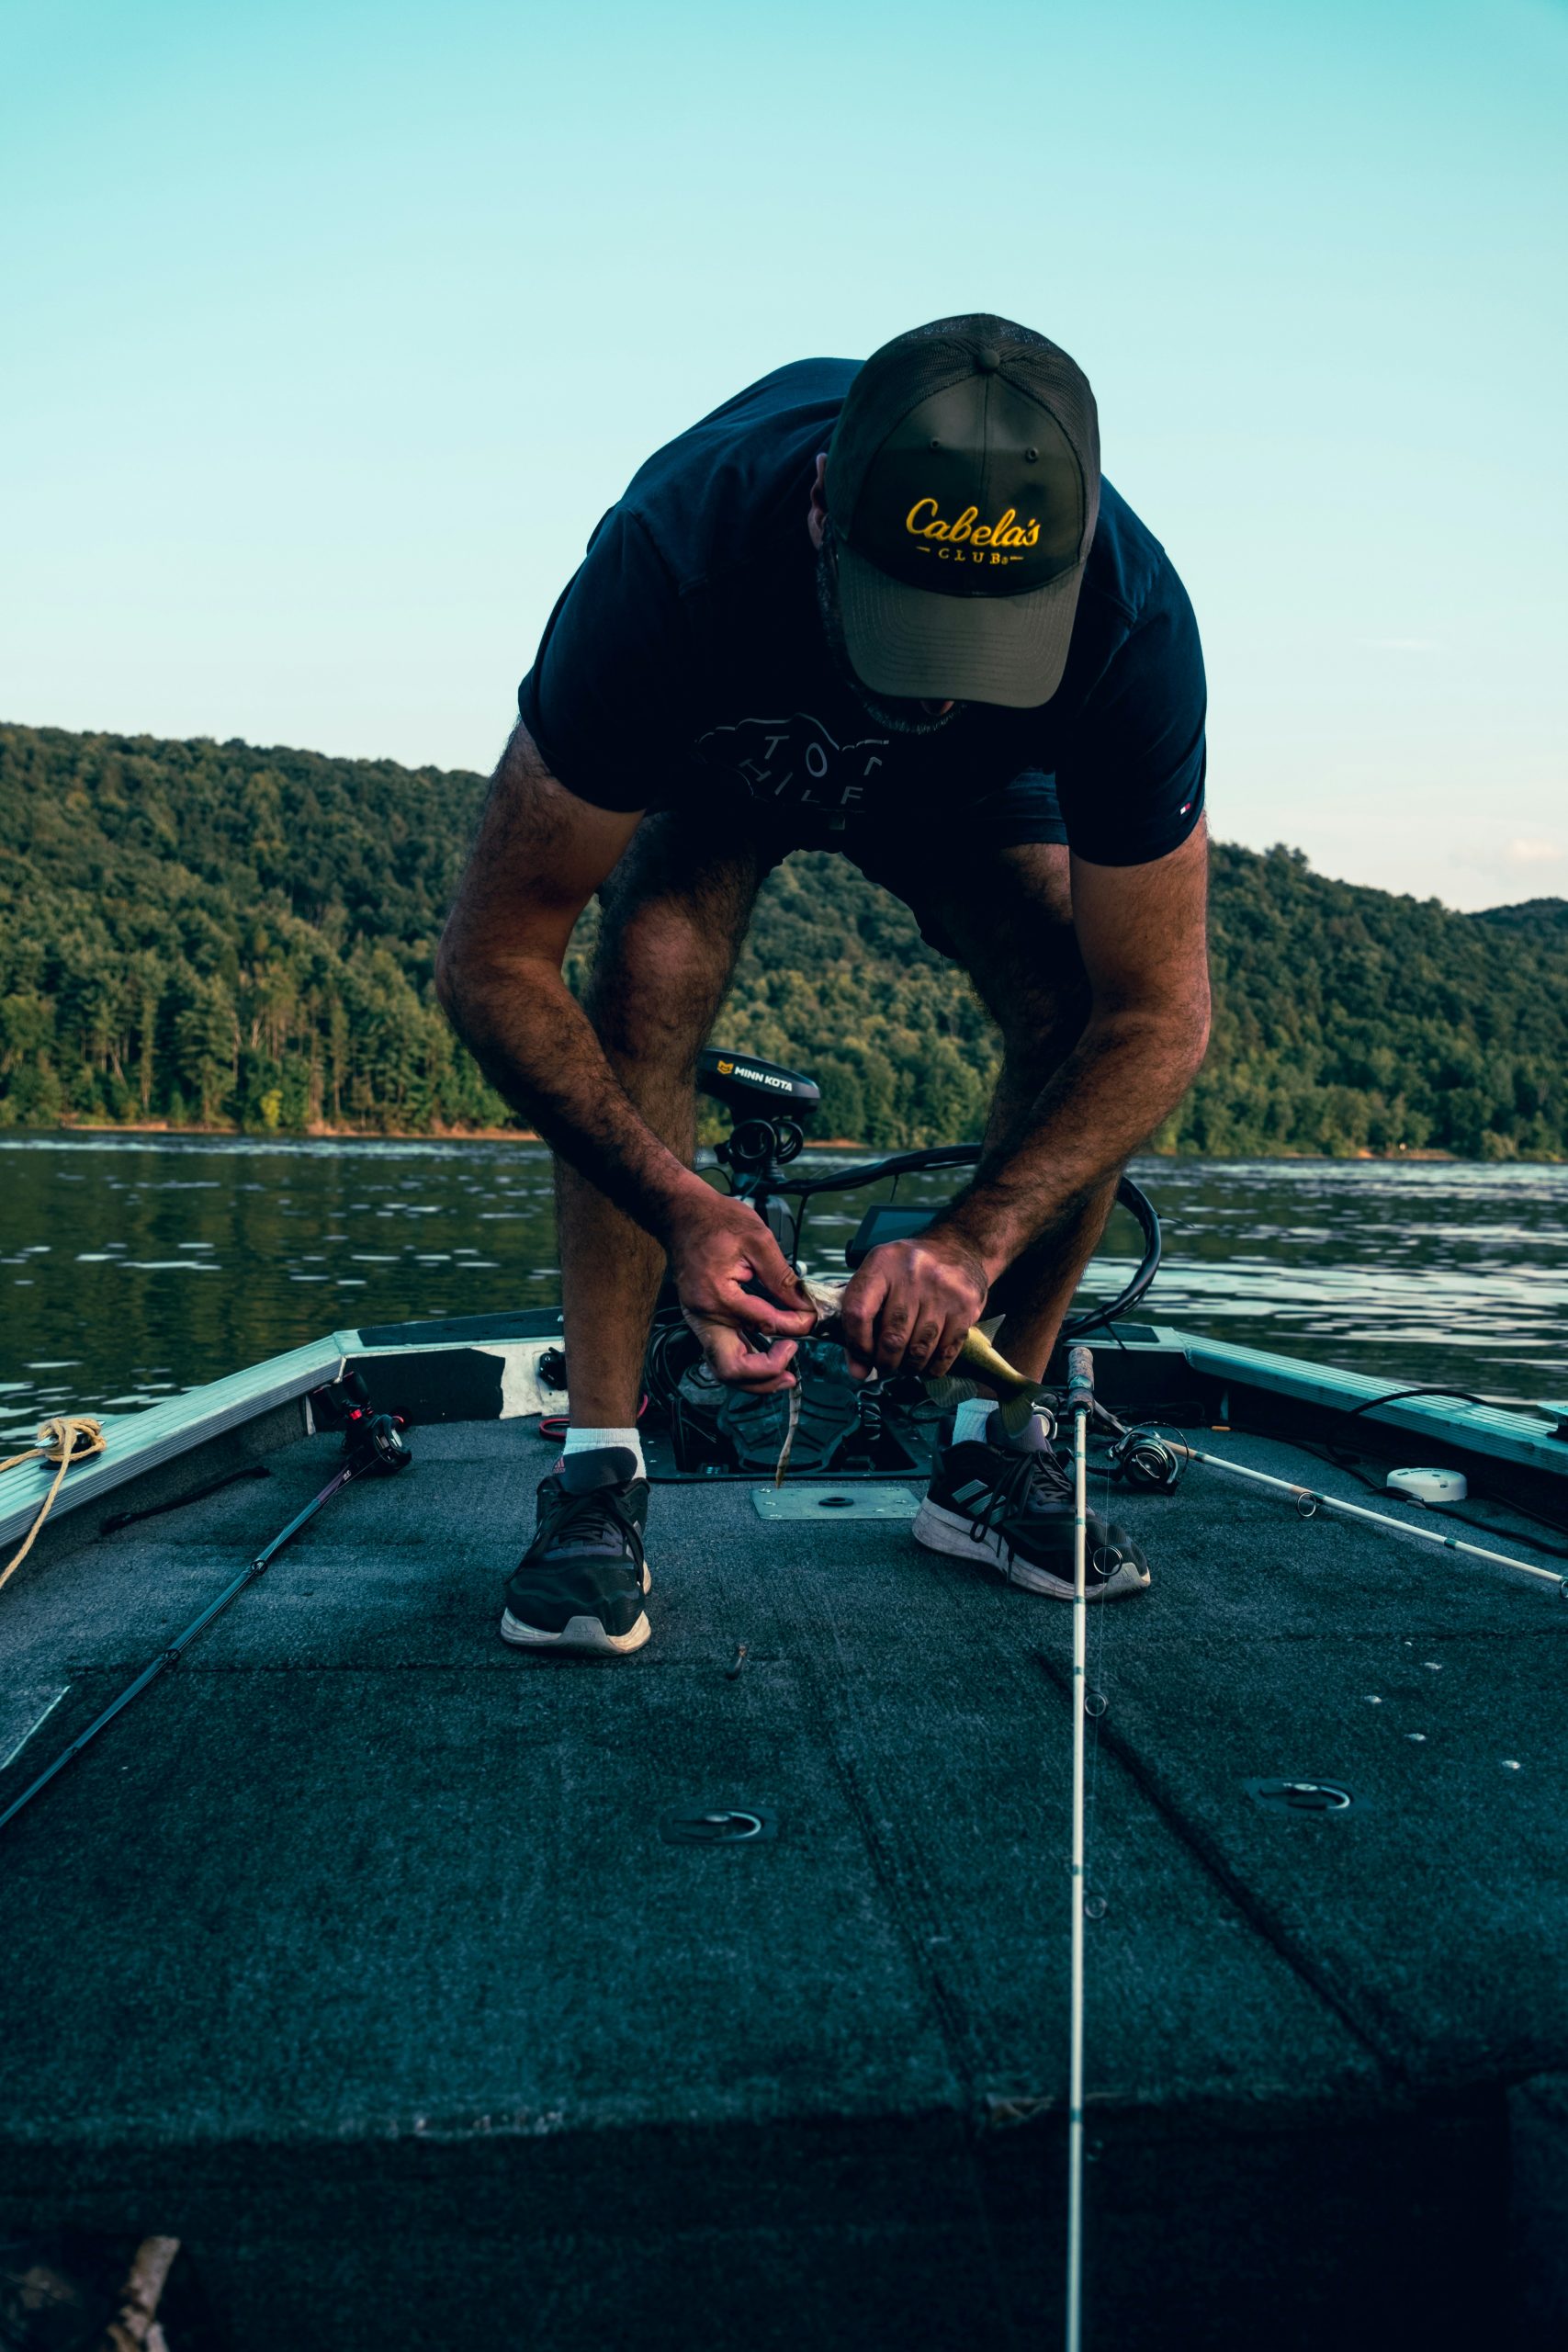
(378, 1446)
(1308, 1500)
(1080, 1405)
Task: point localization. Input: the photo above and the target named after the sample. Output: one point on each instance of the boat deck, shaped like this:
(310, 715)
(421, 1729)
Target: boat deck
(357, 1955)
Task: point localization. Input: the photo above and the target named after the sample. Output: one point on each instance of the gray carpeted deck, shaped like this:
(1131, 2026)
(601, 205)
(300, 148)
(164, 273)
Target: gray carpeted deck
(353, 1953)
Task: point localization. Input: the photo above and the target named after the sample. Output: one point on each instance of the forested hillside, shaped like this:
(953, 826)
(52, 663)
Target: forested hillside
(205, 933)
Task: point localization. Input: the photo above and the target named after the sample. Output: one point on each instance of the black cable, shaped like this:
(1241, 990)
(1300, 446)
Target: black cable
(870, 1171)
(1132, 1198)
(1338, 1460)
(1464, 1396)
(1129, 1196)
(1489, 1527)
(117, 1520)
(794, 1237)
(1345, 1461)
(1392, 1396)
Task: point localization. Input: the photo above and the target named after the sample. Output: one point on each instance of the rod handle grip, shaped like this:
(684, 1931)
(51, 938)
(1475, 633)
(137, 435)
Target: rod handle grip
(1080, 1380)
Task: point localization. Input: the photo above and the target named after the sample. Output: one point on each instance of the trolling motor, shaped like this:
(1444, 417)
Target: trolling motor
(770, 1107)
(373, 1446)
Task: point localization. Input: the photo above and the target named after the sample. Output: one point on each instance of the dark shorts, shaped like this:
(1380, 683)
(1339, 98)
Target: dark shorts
(914, 858)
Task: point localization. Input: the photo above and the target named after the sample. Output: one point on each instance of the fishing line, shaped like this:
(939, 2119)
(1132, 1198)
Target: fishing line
(1097, 1697)
(1090, 1701)
(1080, 1405)
(1097, 1702)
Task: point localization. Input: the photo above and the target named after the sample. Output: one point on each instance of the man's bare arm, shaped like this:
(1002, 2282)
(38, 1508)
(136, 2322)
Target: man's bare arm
(540, 855)
(1143, 934)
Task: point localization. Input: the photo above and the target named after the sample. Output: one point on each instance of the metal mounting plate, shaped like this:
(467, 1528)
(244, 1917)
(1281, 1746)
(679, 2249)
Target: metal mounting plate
(851, 1500)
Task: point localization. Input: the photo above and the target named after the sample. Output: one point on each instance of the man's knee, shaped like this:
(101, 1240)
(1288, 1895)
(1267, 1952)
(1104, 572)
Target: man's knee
(1011, 924)
(1033, 977)
(655, 987)
(1041, 1028)
(674, 917)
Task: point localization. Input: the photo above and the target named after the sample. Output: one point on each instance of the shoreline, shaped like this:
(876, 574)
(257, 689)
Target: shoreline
(323, 1134)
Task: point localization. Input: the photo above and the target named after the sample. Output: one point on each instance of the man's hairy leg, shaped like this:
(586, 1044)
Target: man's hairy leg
(1038, 1287)
(1011, 918)
(675, 913)
(539, 856)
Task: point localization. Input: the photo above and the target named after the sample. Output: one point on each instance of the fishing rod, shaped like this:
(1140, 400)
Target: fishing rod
(1019, 1398)
(1308, 1502)
(374, 1446)
(1081, 1409)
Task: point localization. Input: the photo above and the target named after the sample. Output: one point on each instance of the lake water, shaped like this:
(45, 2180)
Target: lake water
(132, 1266)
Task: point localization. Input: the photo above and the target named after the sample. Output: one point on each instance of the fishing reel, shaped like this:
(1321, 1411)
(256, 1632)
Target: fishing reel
(1147, 1462)
(372, 1442)
(375, 1443)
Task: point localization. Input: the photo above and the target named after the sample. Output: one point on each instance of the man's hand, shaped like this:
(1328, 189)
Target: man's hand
(715, 1253)
(911, 1303)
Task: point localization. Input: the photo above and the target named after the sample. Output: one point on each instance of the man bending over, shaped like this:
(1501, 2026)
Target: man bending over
(890, 610)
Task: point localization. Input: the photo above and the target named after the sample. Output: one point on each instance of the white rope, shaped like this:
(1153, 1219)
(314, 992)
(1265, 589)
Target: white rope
(67, 1438)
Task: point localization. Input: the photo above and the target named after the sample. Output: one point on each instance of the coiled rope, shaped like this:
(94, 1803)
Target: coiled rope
(68, 1437)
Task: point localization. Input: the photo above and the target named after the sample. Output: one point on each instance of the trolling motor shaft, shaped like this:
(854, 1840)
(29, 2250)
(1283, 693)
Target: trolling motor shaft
(373, 1445)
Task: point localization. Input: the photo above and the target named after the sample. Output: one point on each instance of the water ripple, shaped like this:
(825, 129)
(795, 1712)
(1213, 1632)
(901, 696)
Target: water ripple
(1423, 1270)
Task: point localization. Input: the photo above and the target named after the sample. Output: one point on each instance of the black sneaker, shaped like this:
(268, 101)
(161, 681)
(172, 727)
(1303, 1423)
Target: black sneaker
(1014, 1507)
(580, 1584)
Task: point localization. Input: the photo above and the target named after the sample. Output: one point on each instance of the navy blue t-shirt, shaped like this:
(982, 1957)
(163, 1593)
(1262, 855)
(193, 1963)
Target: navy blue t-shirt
(686, 660)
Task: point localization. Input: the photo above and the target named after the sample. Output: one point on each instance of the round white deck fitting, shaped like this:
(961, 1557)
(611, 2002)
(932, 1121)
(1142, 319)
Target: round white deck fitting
(1429, 1485)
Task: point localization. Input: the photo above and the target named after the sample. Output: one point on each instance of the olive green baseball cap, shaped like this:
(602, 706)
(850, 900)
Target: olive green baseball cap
(964, 486)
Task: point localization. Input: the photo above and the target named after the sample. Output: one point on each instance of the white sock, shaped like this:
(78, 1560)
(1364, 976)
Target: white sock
(972, 1417)
(585, 1441)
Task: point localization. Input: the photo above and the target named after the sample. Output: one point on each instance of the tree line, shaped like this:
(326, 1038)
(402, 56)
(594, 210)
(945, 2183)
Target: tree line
(213, 935)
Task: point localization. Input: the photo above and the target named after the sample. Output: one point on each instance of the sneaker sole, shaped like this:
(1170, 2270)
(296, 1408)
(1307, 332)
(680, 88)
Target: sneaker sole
(949, 1531)
(584, 1634)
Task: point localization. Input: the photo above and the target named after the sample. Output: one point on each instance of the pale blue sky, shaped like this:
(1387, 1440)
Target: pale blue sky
(329, 330)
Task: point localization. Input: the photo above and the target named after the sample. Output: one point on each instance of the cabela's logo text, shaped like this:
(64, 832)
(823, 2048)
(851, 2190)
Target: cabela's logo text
(1002, 539)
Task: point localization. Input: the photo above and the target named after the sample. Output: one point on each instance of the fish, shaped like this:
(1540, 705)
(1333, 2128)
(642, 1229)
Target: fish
(976, 1359)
